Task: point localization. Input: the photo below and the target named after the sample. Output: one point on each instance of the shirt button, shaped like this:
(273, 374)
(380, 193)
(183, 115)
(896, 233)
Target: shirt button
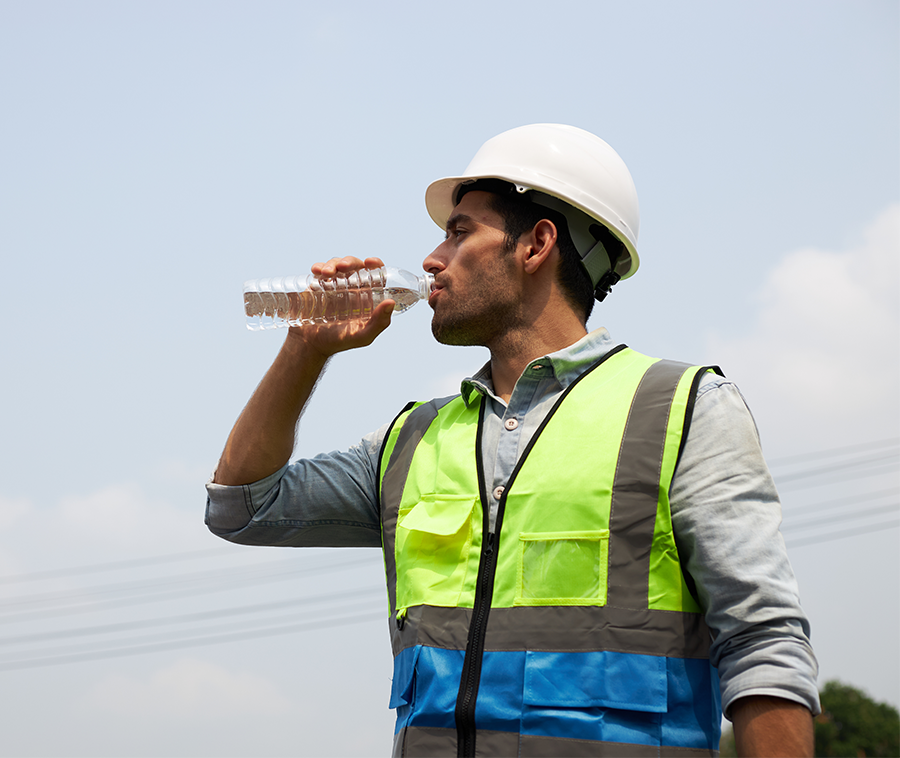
(498, 492)
(511, 423)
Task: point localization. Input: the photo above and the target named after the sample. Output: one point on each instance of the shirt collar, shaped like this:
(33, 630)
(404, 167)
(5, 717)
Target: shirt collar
(566, 365)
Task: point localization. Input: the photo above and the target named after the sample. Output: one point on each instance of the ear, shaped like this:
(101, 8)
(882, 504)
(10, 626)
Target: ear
(541, 243)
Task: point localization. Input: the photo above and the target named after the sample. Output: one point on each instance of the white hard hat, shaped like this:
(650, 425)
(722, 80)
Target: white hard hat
(566, 163)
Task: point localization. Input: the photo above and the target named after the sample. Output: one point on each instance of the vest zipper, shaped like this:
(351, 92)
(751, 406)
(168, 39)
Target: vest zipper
(471, 674)
(484, 591)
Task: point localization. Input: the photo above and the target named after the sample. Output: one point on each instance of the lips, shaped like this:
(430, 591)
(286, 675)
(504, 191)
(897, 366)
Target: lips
(435, 293)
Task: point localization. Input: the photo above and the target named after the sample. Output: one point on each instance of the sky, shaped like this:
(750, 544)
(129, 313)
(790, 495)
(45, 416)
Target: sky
(154, 155)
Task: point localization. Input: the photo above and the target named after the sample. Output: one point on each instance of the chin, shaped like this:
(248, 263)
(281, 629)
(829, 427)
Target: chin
(460, 335)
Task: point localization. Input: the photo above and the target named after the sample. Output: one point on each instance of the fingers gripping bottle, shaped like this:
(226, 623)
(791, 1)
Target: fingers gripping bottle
(298, 300)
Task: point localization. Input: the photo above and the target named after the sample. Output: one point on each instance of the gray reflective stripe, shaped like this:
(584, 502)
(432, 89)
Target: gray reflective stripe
(560, 629)
(636, 485)
(433, 741)
(412, 431)
(446, 628)
(551, 747)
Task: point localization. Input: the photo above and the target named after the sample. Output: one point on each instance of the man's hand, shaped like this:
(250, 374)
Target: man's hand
(328, 339)
(772, 727)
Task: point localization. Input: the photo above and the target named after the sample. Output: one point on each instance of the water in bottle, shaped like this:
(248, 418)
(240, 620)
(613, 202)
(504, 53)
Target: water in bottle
(298, 300)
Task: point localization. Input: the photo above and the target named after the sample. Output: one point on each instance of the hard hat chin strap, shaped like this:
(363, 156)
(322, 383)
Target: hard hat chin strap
(597, 263)
(604, 286)
(600, 264)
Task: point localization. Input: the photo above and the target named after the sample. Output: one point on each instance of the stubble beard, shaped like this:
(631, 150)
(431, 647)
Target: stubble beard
(490, 311)
(478, 322)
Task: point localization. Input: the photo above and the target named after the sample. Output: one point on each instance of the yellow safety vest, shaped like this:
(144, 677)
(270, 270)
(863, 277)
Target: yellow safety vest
(571, 626)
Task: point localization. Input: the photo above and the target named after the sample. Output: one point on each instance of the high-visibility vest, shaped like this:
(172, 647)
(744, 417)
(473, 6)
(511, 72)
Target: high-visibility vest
(571, 629)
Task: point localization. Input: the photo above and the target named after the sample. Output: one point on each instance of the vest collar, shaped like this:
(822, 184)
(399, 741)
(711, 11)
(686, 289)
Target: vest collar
(566, 365)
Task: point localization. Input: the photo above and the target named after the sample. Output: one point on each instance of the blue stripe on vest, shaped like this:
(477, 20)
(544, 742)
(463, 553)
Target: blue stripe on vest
(602, 696)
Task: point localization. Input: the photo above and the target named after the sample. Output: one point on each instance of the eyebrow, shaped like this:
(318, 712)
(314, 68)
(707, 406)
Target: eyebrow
(458, 218)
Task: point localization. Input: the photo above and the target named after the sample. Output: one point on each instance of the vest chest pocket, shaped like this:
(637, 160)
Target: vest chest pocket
(563, 568)
(433, 541)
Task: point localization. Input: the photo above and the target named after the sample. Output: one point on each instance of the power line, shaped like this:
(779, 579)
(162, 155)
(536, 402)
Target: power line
(186, 618)
(132, 587)
(215, 639)
(176, 635)
(788, 459)
(139, 593)
(875, 459)
(825, 480)
(94, 568)
(842, 534)
(849, 500)
(846, 517)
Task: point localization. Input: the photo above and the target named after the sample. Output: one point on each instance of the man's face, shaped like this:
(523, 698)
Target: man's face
(476, 297)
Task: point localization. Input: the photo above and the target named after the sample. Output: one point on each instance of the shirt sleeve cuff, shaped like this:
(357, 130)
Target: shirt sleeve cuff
(230, 508)
(783, 668)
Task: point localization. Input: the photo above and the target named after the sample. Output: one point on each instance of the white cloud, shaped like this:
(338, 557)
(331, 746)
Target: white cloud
(187, 690)
(115, 522)
(822, 354)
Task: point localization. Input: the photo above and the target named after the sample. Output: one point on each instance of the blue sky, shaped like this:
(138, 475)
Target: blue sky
(156, 155)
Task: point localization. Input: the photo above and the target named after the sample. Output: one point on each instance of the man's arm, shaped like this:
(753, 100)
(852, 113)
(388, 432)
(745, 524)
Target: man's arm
(726, 514)
(772, 726)
(262, 439)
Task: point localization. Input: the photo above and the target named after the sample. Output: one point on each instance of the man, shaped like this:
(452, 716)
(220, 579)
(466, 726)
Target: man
(582, 548)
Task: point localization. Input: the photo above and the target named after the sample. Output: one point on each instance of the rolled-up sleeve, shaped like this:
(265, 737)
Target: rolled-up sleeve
(327, 501)
(726, 516)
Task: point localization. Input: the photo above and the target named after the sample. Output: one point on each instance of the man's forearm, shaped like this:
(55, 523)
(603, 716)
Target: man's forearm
(262, 439)
(772, 726)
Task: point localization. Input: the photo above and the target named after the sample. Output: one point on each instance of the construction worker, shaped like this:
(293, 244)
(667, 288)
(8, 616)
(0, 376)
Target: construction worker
(582, 547)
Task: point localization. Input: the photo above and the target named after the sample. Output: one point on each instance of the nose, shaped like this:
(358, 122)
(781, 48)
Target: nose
(435, 261)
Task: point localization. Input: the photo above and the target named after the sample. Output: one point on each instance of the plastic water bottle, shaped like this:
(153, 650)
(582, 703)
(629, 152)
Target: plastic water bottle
(298, 300)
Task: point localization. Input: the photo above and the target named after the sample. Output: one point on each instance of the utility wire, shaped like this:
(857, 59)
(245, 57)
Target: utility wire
(141, 586)
(842, 534)
(187, 618)
(849, 500)
(832, 467)
(176, 635)
(846, 517)
(95, 568)
(215, 639)
(137, 593)
(826, 480)
(789, 459)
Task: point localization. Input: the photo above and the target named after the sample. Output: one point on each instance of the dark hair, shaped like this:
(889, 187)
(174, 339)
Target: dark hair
(520, 216)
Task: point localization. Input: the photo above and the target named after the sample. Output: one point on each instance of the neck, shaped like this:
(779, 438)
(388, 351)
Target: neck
(511, 354)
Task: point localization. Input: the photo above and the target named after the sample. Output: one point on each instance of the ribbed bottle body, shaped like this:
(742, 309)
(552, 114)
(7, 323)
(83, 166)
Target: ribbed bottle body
(297, 300)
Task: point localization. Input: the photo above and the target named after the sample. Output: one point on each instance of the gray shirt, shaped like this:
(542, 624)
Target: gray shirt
(725, 515)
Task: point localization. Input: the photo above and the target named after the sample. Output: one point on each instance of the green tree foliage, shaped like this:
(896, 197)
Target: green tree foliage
(853, 725)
